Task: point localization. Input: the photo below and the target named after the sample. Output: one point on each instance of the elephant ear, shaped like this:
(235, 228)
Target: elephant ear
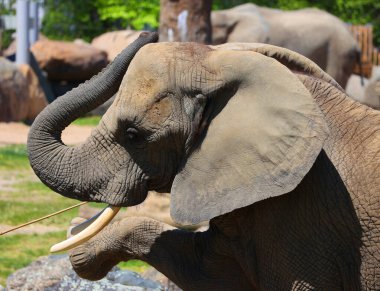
(259, 145)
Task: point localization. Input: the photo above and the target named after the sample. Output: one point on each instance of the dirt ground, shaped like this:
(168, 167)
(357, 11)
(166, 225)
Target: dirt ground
(17, 133)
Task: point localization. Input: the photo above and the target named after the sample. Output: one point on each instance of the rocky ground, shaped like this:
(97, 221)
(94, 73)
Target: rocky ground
(55, 273)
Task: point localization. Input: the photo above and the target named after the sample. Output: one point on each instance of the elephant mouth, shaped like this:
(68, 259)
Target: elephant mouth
(87, 229)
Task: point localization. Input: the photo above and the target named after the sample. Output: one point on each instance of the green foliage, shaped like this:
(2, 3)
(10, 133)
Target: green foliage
(70, 19)
(6, 38)
(353, 11)
(128, 13)
(6, 7)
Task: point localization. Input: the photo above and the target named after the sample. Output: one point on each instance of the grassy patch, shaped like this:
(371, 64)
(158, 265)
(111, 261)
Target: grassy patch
(29, 198)
(87, 121)
(13, 157)
(23, 198)
(18, 251)
(134, 265)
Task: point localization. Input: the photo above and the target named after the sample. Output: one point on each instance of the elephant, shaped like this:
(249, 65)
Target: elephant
(254, 138)
(369, 92)
(372, 90)
(314, 33)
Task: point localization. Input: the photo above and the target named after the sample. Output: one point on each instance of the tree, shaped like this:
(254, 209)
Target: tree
(70, 19)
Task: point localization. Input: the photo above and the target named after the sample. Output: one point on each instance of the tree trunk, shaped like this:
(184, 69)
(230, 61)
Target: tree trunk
(185, 20)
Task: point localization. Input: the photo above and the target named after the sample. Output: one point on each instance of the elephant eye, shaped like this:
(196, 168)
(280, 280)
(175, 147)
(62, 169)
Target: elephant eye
(132, 133)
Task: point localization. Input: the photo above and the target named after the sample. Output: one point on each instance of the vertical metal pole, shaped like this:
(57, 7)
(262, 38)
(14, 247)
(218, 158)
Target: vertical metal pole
(22, 32)
(33, 32)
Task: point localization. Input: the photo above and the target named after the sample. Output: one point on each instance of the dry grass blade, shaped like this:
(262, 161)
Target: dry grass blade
(42, 218)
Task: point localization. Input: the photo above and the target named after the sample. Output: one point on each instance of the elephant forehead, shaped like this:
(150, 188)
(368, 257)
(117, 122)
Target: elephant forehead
(161, 68)
(168, 58)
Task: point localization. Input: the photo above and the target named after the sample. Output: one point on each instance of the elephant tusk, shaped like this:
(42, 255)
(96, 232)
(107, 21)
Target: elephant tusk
(87, 229)
(83, 225)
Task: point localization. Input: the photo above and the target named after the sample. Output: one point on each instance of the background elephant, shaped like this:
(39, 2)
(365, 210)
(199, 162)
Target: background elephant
(369, 94)
(372, 90)
(314, 33)
(255, 138)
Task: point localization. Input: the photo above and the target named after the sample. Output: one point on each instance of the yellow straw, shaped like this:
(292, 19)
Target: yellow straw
(42, 218)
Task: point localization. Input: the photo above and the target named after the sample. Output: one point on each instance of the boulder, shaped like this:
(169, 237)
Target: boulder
(11, 49)
(37, 99)
(156, 276)
(13, 92)
(115, 41)
(55, 273)
(67, 60)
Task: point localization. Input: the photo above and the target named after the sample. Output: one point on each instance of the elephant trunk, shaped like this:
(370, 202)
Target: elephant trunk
(60, 167)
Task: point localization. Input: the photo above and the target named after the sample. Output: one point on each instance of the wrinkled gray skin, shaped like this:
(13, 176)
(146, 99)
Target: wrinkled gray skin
(255, 138)
(316, 34)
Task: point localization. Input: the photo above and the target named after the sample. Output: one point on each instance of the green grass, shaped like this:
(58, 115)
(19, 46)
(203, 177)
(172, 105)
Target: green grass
(134, 265)
(25, 198)
(87, 121)
(13, 157)
(18, 251)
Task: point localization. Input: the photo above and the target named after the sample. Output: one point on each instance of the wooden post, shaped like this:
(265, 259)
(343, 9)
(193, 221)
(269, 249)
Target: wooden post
(185, 20)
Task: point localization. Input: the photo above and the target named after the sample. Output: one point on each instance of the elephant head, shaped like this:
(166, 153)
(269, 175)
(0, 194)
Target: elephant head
(217, 127)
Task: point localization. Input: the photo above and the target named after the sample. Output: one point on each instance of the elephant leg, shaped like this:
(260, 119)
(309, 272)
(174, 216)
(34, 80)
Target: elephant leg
(188, 259)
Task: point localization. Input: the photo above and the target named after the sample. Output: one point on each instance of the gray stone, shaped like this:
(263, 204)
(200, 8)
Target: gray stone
(68, 61)
(21, 97)
(132, 279)
(13, 92)
(55, 273)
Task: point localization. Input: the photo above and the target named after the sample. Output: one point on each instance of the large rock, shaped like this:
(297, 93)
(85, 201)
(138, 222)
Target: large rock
(67, 60)
(115, 41)
(13, 92)
(37, 99)
(55, 273)
(11, 49)
(21, 97)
